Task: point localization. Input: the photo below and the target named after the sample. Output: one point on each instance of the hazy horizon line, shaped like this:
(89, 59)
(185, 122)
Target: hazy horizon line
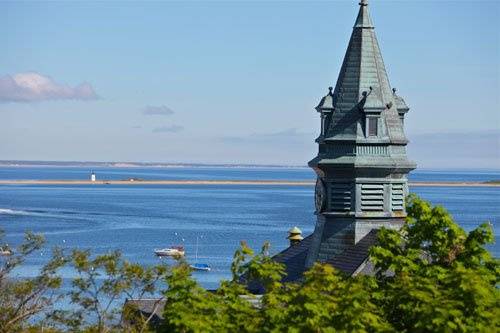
(131, 164)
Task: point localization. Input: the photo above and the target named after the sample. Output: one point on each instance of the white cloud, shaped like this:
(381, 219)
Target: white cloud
(34, 87)
(161, 110)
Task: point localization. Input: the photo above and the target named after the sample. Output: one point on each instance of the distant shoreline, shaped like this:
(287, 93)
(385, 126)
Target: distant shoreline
(221, 182)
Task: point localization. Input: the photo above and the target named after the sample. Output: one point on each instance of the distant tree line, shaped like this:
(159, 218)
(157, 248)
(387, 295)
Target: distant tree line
(431, 276)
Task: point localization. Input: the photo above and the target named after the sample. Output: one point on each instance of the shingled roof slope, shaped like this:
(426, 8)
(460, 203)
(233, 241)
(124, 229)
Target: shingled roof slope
(350, 261)
(294, 258)
(354, 256)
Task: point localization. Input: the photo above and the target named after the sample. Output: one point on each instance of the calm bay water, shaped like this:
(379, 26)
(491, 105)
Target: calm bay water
(136, 219)
(218, 173)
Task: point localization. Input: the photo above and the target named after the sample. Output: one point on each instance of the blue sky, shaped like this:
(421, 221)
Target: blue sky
(237, 82)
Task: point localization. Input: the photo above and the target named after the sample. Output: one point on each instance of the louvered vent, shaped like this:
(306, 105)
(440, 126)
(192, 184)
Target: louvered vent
(340, 197)
(397, 197)
(372, 197)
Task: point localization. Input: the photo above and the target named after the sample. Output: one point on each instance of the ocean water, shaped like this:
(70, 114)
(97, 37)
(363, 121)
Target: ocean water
(137, 219)
(218, 173)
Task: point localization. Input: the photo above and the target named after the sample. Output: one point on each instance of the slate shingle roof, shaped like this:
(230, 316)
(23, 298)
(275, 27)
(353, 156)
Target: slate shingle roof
(294, 258)
(352, 260)
(354, 256)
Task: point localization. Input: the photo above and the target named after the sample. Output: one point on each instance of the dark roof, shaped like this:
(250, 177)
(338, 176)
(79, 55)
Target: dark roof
(351, 261)
(138, 310)
(294, 258)
(355, 256)
(147, 305)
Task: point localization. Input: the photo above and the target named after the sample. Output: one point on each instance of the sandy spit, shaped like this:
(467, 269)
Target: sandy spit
(218, 182)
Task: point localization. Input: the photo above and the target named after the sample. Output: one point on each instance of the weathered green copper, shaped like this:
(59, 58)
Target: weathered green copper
(361, 163)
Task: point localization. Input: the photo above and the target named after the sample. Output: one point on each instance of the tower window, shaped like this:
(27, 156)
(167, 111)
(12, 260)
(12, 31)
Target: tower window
(372, 126)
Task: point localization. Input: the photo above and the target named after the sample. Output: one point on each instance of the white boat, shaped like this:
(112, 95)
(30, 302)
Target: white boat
(200, 267)
(174, 251)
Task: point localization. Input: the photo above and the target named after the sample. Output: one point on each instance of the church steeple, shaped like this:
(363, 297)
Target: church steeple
(361, 163)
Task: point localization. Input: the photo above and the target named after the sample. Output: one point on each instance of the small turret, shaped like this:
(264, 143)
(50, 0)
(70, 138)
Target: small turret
(325, 107)
(295, 236)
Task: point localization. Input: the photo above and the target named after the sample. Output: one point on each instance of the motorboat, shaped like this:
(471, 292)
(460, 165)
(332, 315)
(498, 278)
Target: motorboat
(174, 251)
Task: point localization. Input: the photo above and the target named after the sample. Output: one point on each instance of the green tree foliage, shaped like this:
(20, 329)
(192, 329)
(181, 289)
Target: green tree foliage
(100, 288)
(325, 301)
(194, 309)
(23, 299)
(434, 277)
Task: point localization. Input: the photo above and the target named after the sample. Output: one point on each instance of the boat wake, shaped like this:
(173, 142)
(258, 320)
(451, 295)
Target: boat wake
(6, 211)
(38, 213)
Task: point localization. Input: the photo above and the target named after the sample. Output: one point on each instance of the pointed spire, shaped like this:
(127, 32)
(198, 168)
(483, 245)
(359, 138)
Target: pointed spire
(363, 67)
(363, 20)
(362, 71)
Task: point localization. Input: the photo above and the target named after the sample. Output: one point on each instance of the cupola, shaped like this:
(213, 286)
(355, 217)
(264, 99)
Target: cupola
(295, 236)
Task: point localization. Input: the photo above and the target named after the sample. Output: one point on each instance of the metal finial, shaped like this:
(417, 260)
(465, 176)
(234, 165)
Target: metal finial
(394, 90)
(366, 93)
(330, 90)
(363, 3)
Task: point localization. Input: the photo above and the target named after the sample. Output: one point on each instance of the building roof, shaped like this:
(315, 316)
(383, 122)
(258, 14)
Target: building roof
(148, 305)
(294, 258)
(351, 261)
(363, 86)
(354, 257)
(145, 308)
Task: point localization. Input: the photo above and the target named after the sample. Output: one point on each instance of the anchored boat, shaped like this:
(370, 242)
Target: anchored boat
(199, 266)
(174, 251)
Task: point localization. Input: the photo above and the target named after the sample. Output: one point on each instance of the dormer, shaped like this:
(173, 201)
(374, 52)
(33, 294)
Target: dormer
(372, 107)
